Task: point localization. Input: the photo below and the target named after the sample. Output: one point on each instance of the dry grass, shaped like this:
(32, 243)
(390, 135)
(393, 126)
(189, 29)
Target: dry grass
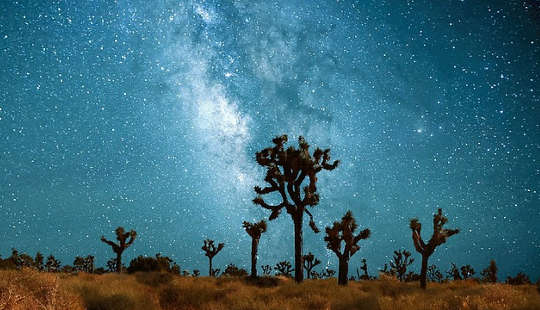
(28, 289)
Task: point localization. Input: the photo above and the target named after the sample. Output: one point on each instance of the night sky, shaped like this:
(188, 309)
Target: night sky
(148, 114)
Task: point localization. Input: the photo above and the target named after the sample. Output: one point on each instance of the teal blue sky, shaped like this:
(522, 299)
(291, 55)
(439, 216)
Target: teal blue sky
(148, 115)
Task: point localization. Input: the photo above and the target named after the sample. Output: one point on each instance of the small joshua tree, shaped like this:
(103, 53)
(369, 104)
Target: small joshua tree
(328, 273)
(38, 261)
(196, 273)
(254, 230)
(284, 268)
(344, 231)
(426, 249)
(309, 262)
(52, 264)
(286, 172)
(210, 251)
(467, 272)
(453, 273)
(364, 268)
(267, 270)
(399, 264)
(123, 243)
(490, 273)
(434, 274)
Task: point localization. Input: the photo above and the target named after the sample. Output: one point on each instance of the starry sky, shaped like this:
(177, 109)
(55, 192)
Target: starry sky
(148, 115)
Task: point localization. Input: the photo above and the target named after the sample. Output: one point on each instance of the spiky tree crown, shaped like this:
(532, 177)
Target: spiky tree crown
(255, 230)
(210, 249)
(121, 236)
(286, 170)
(344, 231)
(439, 236)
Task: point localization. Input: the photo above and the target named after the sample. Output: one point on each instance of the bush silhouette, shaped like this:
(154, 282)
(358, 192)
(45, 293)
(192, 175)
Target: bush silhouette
(344, 231)
(286, 170)
(122, 245)
(519, 279)
(267, 270)
(233, 271)
(148, 264)
(426, 249)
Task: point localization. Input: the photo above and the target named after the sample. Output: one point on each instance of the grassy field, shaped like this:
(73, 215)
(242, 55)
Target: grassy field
(29, 289)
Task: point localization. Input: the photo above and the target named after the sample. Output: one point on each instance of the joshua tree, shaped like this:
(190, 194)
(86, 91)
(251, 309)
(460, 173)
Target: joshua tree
(284, 268)
(519, 279)
(309, 262)
(364, 268)
(118, 248)
(327, 273)
(434, 274)
(210, 251)
(490, 273)
(267, 269)
(344, 231)
(454, 273)
(398, 266)
(467, 272)
(255, 231)
(38, 261)
(439, 237)
(196, 273)
(52, 264)
(286, 171)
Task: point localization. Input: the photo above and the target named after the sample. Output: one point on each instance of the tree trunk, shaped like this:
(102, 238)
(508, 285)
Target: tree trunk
(298, 264)
(118, 262)
(210, 271)
(308, 273)
(343, 275)
(254, 245)
(423, 272)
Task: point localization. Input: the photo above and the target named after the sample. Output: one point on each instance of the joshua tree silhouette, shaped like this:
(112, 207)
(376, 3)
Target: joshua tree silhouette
(399, 264)
(118, 248)
(286, 171)
(267, 270)
(490, 273)
(439, 237)
(210, 251)
(309, 262)
(254, 230)
(344, 231)
(284, 268)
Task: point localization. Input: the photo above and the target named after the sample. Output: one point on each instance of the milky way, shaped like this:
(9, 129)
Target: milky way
(147, 114)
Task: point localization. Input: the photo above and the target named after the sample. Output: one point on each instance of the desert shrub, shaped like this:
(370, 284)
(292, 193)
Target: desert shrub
(147, 263)
(519, 279)
(233, 271)
(264, 281)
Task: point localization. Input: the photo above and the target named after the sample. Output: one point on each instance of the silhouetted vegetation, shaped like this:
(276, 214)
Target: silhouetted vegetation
(344, 231)
(283, 268)
(453, 273)
(309, 262)
(233, 271)
(148, 264)
(254, 230)
(399, 263)
(84, 264)
(426, 249)
(519, 279)
(286, 171)
(434, 274)
(210, 250)
(52, 264)
(364, 268)
(267, 270)
(489, 274)
(123, 243)
(467, 272)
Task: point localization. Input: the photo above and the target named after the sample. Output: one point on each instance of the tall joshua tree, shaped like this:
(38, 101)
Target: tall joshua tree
(286, 171)
(439, 237)
(309, 262)
(210, 251)
(123, 243)
(490, 273)
(255, 231)
(344, 231)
